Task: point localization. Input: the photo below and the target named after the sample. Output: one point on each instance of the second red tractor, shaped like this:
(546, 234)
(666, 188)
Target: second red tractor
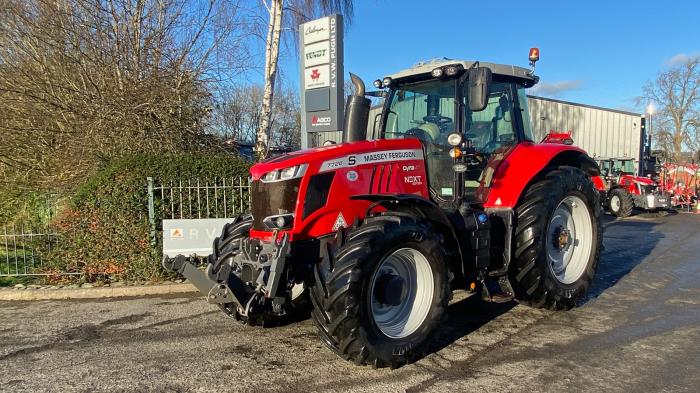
(624, 191)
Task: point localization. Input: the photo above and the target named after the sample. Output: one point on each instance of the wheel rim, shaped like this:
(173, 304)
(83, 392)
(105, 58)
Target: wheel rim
(615, 203)
(569, 239)
(401, 292)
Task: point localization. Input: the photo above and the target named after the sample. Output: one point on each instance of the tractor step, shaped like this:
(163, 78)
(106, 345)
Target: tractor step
(497, 291)
(502, 297)
(498, 272)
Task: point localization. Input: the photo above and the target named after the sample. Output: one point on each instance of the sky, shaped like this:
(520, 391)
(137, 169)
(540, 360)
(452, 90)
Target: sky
(592, 52)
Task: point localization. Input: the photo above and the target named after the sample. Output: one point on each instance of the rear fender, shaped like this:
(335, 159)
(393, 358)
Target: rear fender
(527, 162)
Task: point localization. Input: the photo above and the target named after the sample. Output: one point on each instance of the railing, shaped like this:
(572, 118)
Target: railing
(23, 248)
(196, 198)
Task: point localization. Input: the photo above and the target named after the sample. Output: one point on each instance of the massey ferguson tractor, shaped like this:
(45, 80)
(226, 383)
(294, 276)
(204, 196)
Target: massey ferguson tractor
(624, 191)
(373, 234)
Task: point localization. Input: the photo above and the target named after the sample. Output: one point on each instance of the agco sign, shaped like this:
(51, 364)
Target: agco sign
(320, 121)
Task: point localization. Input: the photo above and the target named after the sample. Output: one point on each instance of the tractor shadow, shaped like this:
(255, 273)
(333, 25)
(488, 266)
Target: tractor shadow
(654, 214)
(627, 242)
(466, 316)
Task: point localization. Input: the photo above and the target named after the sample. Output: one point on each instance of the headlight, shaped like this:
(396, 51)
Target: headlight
(288, 173)
(281, 221)
(452, 70)
(454, 139)
(270, 176)
(292, 172)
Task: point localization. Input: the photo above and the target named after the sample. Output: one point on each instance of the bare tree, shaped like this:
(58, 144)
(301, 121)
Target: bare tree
(237, 117)
(676, 95)
(287, 128)
(85, 80)
(299, 11)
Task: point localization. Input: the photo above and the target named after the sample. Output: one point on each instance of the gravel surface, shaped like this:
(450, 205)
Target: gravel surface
(639, 331)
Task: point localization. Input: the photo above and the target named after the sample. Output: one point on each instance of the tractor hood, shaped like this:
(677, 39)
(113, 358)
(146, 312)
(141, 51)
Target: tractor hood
(340, 156)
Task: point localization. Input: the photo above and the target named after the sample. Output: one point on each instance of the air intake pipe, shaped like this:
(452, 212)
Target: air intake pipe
(356, 112)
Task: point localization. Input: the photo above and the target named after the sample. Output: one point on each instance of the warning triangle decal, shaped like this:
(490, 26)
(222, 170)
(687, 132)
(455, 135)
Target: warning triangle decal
(339, 222)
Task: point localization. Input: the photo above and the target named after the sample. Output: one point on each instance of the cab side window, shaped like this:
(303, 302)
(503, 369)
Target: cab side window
(494, 126)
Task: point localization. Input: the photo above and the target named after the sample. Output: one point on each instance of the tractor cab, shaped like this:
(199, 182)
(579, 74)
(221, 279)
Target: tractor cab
(615, 167)
(459, 129)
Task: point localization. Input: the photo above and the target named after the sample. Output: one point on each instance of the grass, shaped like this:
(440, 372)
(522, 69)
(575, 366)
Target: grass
(12, 281)
(7, 266)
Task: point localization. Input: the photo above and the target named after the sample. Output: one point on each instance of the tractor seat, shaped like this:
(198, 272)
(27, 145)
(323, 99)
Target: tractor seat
(431, 130)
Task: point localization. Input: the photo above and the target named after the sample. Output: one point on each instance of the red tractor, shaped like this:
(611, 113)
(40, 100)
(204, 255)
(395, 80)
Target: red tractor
(451, 192)
(624, 191)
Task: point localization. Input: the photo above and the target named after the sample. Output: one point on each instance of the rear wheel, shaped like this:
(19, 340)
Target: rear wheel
(557, 240)
(225, 248)
(620, 203)
(381, 295)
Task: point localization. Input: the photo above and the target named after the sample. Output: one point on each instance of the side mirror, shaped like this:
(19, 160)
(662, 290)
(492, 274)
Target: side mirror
(478, 90)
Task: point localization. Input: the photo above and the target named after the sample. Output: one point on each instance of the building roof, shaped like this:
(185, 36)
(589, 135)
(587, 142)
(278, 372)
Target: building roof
(585, 105)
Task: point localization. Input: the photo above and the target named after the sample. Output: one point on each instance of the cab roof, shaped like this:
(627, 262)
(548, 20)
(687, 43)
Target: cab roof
(422, 70)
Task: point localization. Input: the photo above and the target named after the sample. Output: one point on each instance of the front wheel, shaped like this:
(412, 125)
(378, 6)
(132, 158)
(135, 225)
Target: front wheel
(620, 203)
(557, 240)
(381, 295)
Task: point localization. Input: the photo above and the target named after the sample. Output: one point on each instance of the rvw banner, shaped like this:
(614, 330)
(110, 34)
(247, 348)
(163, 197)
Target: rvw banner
(191, 237)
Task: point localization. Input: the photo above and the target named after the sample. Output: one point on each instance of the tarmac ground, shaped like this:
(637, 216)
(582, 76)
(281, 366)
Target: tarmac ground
(638, 331)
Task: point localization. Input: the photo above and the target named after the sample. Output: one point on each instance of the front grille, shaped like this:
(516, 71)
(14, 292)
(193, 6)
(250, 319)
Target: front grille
(317, 192)
(271, 199)
(647, 189)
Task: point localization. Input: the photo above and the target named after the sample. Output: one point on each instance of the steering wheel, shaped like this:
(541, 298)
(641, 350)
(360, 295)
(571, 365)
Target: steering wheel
(437, 119)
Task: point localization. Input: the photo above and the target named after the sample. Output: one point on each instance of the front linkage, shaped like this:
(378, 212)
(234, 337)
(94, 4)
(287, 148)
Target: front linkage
(221, 280)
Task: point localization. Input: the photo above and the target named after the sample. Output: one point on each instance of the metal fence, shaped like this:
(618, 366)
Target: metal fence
(23, 249)
(195, 198)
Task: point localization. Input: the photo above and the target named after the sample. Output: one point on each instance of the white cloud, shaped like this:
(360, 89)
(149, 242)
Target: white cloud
(555, 89)
(681, 58)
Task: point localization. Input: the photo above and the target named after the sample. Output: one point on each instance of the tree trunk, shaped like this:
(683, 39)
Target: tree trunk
(678, 147)
(271, 55)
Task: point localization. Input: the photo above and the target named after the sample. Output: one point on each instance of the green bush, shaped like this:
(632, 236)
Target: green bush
(33, 208)
(105, 228)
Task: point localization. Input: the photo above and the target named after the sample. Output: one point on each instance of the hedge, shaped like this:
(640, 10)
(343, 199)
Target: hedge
(104, 230)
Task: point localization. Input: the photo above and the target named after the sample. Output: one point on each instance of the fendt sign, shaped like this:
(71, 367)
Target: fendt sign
(321, 58)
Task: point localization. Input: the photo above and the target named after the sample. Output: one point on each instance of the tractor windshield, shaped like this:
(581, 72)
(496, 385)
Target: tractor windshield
(422, 110)
(431, 110)
(616, 167)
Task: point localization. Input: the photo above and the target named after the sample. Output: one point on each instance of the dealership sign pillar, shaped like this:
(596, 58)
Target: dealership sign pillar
(321, 43)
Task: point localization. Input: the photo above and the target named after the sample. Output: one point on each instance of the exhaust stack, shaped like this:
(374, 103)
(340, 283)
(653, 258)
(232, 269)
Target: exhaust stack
(356, 112)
